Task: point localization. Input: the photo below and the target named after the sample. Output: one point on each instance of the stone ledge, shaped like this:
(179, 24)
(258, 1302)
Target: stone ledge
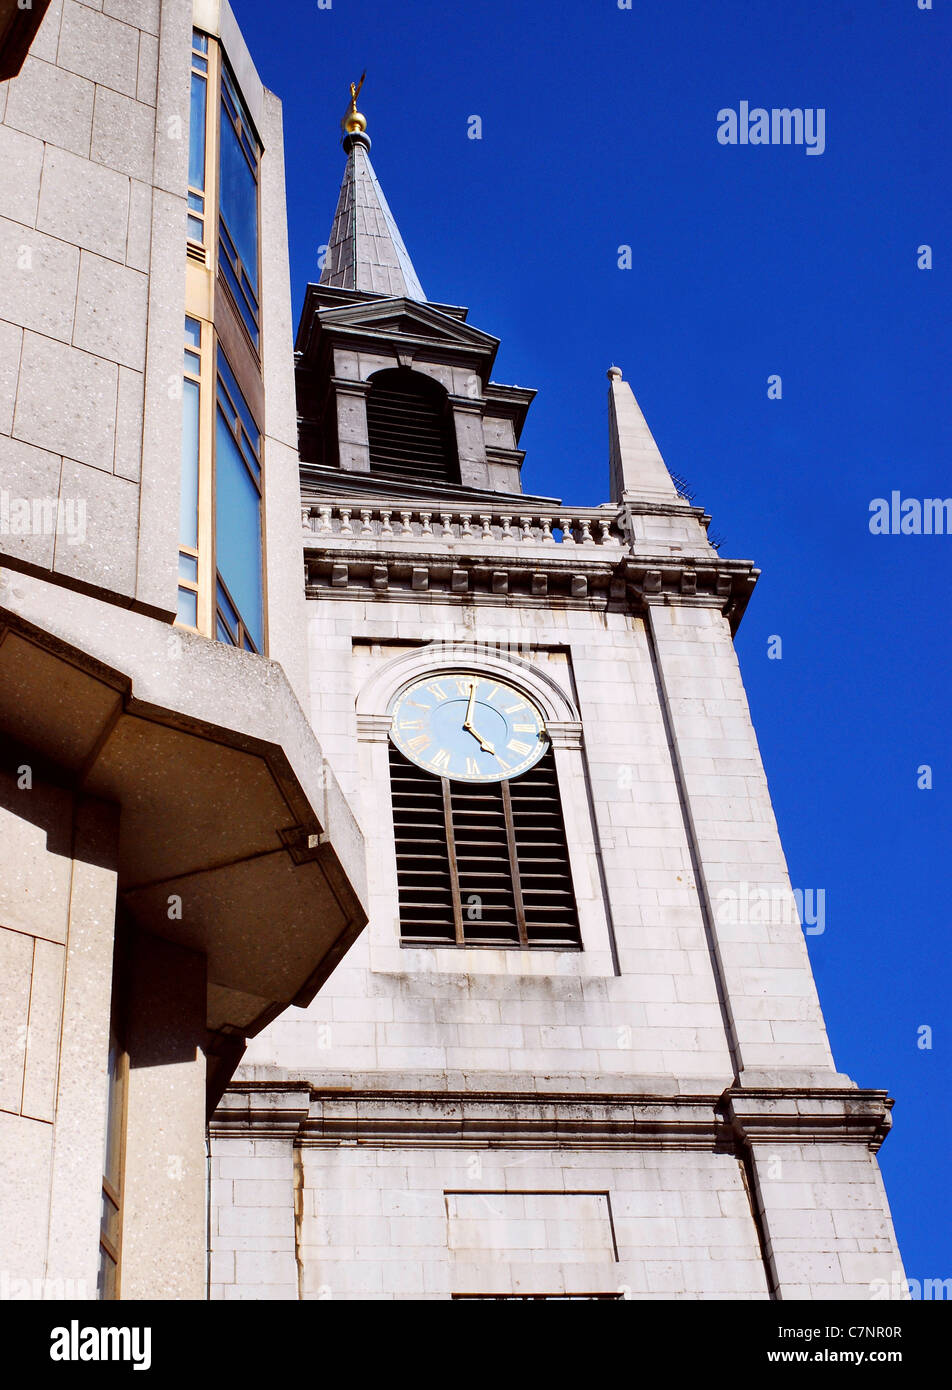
(382, 1116)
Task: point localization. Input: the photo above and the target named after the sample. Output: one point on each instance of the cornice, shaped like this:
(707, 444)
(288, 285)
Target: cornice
(434, 573)
(731, 1121)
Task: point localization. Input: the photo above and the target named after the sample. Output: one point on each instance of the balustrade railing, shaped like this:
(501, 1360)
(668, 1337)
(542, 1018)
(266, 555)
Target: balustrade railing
(577, 526)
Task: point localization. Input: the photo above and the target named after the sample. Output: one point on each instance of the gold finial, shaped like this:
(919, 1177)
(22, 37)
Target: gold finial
(353, 121)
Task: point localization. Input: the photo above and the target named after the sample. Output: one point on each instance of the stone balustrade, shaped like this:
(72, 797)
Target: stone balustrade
(594, 526)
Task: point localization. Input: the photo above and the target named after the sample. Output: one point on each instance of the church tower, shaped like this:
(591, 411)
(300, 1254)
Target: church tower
(577, 1052)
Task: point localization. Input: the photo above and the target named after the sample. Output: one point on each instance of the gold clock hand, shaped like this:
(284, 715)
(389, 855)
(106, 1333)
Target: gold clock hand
(469, 726)
(486, 747)
(478, 737)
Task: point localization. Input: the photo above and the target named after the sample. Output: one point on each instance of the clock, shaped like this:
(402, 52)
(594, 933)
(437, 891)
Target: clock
(468, 727)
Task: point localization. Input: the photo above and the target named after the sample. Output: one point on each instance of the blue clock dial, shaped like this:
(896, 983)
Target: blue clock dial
(468, 727)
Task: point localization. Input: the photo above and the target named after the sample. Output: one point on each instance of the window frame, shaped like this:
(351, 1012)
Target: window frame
(229, 94)
(241, 636)
(211, 304)
(210, 55)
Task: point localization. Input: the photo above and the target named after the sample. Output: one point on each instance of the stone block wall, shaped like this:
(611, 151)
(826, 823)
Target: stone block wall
(92, 274)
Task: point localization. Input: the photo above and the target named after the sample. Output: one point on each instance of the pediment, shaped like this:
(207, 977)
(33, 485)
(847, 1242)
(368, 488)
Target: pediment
(406, 318)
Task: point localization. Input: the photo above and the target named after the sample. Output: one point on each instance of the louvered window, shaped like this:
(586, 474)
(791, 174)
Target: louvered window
(410, 426)
(482, 864)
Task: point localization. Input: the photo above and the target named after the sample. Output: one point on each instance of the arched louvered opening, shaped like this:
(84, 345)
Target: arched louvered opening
(411, 429)
(482, 864)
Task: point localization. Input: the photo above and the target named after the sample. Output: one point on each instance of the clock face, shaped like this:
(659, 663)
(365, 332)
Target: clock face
(468, 727)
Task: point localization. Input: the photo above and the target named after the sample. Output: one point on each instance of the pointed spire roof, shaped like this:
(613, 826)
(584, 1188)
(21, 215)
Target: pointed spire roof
(638, 472)
(365, 250)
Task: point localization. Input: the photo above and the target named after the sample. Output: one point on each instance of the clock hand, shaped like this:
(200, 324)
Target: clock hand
(486, 747)
(468, 723)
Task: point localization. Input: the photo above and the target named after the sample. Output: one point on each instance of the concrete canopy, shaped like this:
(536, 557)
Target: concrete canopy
(226, 803)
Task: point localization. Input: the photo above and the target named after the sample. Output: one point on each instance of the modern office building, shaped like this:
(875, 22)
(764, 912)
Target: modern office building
(408, 829)
(177, 861)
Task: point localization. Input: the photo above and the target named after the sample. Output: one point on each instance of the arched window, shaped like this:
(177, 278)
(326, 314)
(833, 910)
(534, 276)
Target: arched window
(411, 429)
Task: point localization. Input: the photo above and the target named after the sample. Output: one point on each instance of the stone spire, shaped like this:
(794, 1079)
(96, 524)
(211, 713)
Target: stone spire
(365, 250)
(638, 472)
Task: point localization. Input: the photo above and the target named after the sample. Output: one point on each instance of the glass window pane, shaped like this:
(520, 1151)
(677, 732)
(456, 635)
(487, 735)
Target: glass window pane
(188, 607)
(200, 63)
(193, 332)
(188, 568)
(239, 403)
(193, 363)
(238, 529)
(196, 132)
(226, 609)
(188, 512)
(196, 202)
(199, 41)
(239, 199)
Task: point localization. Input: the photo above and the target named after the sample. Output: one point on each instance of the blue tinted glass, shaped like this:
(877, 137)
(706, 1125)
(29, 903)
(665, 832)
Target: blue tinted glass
(232, 94)
(188, 514)
(199, 41)
(188, 607)
(238, 529)
(193, 332)
(188, 568)
(196, 133)
(238, 401)
(239, 199)
(226, 609)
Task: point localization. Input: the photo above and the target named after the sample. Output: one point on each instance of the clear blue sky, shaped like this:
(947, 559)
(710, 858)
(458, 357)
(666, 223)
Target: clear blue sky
(599, 130)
